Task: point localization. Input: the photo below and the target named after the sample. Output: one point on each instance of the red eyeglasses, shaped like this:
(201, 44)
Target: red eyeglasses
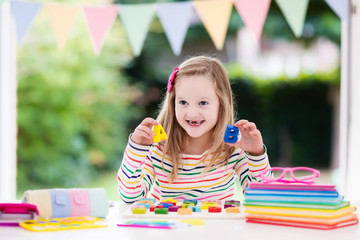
(298, 175)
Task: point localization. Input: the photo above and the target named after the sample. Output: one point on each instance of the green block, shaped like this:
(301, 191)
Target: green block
(161, 210)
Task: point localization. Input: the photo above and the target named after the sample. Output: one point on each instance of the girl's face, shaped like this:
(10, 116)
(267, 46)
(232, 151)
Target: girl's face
(196, 105)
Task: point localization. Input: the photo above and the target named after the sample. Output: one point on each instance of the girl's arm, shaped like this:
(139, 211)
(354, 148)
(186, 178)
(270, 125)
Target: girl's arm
(248, 167)
(136, 173)
(252, 157)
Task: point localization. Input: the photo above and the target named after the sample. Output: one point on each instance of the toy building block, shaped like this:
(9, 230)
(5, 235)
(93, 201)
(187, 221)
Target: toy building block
(206, 205)
(233, 210)
(139, 210)
(161, 211)
(166, 205)
(160, 133)
(195, 208)
(169, 200)
(191, 201)
(233, 202)
(153, 200)
(184, 211)
(174, 208)
(231, 134)
(189, 204)
(214, 209)
(146, 205)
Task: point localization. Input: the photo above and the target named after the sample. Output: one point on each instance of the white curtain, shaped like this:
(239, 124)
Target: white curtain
(7, 105)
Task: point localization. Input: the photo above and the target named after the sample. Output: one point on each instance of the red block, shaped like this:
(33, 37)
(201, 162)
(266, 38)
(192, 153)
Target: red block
(214, 209)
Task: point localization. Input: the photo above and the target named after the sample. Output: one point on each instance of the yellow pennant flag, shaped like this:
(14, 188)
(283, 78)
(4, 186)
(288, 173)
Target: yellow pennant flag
(215, 15)
(61, 18)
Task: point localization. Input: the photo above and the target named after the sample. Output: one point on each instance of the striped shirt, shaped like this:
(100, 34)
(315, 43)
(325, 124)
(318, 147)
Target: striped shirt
(142, 169)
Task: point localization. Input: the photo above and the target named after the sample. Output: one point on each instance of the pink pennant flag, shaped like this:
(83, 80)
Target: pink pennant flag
(99, 21)
(253, 13)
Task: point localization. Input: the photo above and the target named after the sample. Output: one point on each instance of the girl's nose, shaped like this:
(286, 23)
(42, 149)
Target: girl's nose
(192, 111)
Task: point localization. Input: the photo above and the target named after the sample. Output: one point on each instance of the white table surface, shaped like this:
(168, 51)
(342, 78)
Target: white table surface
(212, 229)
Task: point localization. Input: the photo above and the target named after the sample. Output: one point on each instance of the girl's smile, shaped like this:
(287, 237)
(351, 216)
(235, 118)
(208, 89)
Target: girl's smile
(195, 123)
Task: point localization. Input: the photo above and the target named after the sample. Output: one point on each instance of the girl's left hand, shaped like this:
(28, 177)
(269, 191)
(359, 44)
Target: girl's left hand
(251, 140)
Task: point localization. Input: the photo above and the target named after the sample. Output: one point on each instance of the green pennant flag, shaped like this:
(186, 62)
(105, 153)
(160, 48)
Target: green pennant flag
(294, 12)
(136, 19)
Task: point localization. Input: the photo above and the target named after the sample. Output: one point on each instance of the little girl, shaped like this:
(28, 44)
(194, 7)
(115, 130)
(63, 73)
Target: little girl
(198, 164)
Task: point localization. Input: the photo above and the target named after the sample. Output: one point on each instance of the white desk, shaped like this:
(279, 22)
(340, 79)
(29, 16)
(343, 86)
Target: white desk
(213, 229)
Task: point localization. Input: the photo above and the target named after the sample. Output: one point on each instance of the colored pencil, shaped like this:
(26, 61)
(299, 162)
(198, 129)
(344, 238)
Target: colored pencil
(145, 226)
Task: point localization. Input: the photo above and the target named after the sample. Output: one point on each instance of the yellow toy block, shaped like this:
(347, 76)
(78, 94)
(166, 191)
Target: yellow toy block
(160, 133)
(139, 210)
(206, 205)
(169, 200)
(186, 205)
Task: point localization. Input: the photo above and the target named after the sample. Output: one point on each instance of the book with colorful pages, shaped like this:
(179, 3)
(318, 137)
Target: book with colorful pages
(301, 212)
(277, 186)
(319, 220)
(291, 192)
(11, 214)
(293, 199)
(314, 223)
(298, 205)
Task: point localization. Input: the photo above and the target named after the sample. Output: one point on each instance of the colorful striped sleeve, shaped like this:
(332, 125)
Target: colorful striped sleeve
(136, 173)
(248, 167)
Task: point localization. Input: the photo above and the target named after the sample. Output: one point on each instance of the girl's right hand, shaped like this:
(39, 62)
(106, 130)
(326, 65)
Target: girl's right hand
(143, 134)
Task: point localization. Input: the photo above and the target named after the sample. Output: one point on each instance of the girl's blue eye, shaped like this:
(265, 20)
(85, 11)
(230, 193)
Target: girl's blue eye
(203, 103)
(182, 102)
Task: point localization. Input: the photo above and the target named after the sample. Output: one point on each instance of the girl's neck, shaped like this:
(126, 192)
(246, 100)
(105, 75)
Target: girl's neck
(197, 146)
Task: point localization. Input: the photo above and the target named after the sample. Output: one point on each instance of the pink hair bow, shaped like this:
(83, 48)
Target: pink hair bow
(172, 79)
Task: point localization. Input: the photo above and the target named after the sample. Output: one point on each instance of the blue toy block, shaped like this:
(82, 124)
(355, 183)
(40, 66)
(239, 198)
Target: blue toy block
(231, 134)
(196, 208)
(166, 205)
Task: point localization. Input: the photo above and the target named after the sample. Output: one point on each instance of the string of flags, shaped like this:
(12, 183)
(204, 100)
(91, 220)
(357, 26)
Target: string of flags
(175, 18)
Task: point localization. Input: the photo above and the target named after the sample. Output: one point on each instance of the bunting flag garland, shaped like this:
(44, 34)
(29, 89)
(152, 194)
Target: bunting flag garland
(136, 19)
(294, 12)
(99, 21)
(24, 13)
(341, 8)
(61, 18)
(175, 19)
(253, 14)
(215, 15)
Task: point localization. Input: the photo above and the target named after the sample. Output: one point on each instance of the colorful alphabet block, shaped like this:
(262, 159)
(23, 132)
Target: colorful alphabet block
(231, 134)
(160, 133)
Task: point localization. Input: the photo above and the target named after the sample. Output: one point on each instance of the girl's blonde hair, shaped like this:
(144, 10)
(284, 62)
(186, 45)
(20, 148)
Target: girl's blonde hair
(177, 137)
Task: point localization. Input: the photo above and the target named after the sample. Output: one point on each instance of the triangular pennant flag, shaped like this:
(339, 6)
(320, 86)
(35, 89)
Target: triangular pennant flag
(175, 19)
(253, 13)
(341, 8)
(99, 21)
(61, 18)
(24, 14)
(294, 12)
(136, 19)
(215, 15)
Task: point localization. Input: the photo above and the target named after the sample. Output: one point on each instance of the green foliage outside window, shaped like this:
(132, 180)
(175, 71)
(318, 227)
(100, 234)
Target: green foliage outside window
(73, 107)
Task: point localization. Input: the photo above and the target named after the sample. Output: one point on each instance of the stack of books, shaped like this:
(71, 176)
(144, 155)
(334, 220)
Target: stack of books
(299, 205)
